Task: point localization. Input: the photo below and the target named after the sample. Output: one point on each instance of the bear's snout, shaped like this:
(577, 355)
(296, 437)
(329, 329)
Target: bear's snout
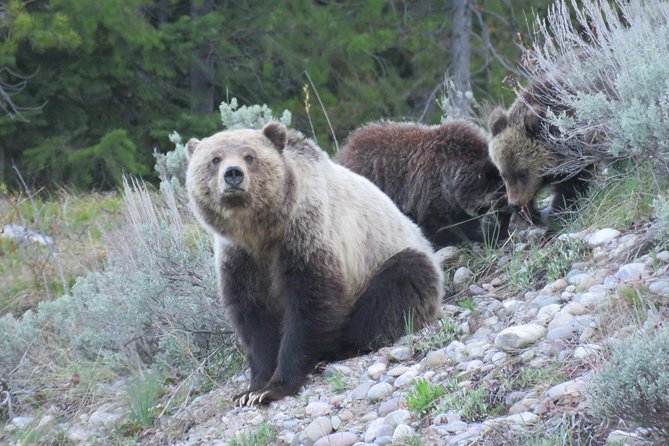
(233, 175)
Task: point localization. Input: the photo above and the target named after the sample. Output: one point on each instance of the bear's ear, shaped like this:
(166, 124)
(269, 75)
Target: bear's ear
(497, 121)
(191, 145)
(532, 122)
(276, 132)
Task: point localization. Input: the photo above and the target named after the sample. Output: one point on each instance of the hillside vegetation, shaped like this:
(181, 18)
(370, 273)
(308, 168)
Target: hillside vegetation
(112, 331)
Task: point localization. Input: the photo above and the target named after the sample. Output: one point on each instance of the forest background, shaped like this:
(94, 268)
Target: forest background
(89, 89)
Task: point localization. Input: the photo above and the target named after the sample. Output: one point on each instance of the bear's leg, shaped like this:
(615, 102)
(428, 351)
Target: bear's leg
(313, 291)
(404, 293)
(256, 321)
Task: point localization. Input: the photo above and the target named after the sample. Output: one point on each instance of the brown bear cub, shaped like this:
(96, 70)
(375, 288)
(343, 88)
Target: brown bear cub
(440, 176)
(314, 262)
(526, 160)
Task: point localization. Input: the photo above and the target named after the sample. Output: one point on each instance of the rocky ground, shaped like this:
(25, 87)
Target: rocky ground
(508, 360)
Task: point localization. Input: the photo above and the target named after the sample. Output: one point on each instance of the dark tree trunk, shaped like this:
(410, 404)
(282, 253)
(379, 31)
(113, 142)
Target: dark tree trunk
(202, 69)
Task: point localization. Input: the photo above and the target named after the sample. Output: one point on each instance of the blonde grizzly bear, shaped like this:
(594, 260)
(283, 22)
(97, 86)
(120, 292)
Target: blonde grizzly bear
(439, 175)
(526, 160)
(314, 262)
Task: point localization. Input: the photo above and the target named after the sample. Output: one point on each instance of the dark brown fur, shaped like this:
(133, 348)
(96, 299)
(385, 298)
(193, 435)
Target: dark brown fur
(440, 176)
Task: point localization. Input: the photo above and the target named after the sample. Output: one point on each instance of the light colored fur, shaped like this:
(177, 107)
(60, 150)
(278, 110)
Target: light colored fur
(325, 206)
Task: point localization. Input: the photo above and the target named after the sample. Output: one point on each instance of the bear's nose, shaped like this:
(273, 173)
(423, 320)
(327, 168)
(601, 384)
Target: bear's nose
(233, 175)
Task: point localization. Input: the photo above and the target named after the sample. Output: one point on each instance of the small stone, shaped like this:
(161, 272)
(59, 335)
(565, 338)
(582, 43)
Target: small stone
(602, 237)
(631, 272)
(318, 428)
(581, 280)
(317, 409)
(21, 423)
(379, 391)
(378, 428)
(572, 388)
(474, 365)
(338, 439)
(400, 354)
(401, 432)
(519, 336)
(376, 370)
(512, 305)
(587, 351)
(345, 415)
(360, 392)
(447, 255)
(398, 417)
(524, 418)
(574, 308)
(336, 369)
(462, 276)
(456, 426)
(598, 296)
(388, 406)
(499, 358)
(660, 287)
(476, 290)
(663, 256)
(623, 438)
(546, 313)
(436, 358)
(336, 422)
(563, 333)
(397, 371)
(541, 301)
(406, 378)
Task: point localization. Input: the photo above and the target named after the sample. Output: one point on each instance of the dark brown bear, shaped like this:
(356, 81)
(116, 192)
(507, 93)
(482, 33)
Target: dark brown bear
(440, 176)
(529, 159)
(314, 262)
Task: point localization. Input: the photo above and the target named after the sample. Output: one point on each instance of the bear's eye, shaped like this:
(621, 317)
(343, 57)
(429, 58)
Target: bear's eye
(215, 160)
(248, 159)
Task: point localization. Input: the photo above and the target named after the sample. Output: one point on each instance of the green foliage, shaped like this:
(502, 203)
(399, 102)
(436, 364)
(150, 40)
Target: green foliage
(94, 67)
(468, 304)
(632, 385)
(528, 377)
(337, 381)
(263, 435)
(540, 263)
(625, 199)
(143, 391)
(474, 404)
(30, 272)
(423, 396)
(437, 336)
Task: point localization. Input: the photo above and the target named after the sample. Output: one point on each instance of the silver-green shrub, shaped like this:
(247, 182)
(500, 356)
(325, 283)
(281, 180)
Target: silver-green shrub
(661, 205)
(172, 165)
(632, 385)
(154, 302)
(609, 67)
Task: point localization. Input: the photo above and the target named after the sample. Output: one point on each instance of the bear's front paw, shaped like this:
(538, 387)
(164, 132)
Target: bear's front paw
(259, 397)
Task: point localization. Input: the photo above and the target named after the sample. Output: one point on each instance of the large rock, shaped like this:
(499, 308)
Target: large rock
(519, 336)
